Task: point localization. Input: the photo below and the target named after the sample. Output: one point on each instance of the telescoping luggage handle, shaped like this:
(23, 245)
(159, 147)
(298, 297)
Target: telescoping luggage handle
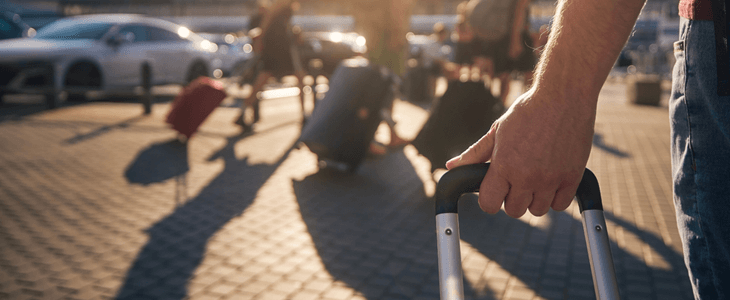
(466, 179)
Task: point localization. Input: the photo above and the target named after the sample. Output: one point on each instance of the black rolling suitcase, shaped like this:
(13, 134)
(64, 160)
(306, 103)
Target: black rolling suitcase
(458, 119)
(466, 179)
(343, 123)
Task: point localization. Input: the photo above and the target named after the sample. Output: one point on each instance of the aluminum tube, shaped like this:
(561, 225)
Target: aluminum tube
(451, 279)
(599, 254)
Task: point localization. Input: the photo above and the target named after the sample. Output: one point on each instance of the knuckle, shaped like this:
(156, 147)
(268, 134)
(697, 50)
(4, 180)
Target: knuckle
(490, 203)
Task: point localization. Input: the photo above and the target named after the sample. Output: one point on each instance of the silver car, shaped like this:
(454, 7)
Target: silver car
(108, 53)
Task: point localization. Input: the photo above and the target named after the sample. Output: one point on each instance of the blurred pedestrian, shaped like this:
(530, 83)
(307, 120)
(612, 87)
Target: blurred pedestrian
(254, 20)
(467, 107)
(512, 52)
(384, 24)
(436, 55)
(277, 52)
(466, 46)
(254, 25)
(539, 148)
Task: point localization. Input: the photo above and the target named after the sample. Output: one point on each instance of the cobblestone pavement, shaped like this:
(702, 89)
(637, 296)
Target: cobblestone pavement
(98, 201)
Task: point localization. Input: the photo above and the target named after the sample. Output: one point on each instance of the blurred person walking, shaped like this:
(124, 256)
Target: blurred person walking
(254, 20)
(466, 109)
(539, 148)
(384, 24)
(424, 66)
(278, 54)
(510, 52)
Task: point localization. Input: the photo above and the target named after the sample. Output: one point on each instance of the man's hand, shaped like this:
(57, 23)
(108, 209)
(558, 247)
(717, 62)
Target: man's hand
(540, 147)
(538, 152)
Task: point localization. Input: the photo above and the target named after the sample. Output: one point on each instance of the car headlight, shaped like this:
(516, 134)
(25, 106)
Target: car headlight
(336, 37)
(360, 41)
(183, 32)
(208, 46)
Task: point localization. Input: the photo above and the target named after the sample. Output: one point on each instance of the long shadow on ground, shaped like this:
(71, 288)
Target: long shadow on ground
(375, 232)
(177, 243)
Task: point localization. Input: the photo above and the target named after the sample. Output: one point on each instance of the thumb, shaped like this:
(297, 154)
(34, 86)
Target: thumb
(479, 152)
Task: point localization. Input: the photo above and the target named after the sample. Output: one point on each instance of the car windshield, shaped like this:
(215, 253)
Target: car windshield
(74, 30)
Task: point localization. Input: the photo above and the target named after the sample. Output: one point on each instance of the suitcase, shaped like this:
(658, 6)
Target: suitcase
(466, 179)
(458, 119)
(193, 105)
(343, 123)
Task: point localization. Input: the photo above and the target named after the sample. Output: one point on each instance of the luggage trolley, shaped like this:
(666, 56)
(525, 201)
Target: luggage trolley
(466, 179)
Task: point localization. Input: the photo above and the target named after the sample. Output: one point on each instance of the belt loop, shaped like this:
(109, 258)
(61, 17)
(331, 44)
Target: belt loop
(678, 46)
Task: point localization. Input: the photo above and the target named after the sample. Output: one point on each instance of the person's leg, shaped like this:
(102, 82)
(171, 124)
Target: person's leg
(395, 139)
(387, 114)
(253, 99)
(700, 124)
(300, 85)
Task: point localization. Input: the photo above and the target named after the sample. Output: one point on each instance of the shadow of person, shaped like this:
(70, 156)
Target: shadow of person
(177, 243)
(375, 233)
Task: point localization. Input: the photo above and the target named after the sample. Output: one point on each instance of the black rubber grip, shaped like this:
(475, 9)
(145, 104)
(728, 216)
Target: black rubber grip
(466, 179)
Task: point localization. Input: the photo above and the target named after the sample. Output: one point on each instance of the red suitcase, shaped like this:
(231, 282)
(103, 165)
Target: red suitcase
(193, 105)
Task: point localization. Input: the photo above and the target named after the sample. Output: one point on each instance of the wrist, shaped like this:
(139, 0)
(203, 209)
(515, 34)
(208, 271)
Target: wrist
(566, 100)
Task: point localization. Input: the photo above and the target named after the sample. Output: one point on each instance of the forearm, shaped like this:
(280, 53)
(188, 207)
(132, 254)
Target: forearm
(586, 38)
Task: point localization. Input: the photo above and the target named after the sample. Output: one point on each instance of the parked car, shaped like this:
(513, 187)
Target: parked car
(231, 52)
(322, 51)
(110, 53)
(12, 26)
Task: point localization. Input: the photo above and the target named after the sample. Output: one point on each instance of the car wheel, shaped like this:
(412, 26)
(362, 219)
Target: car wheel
(81, 76)
(196, 70)
(146, 97)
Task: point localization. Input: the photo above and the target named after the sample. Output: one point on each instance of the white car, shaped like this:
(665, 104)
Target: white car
(109, 53)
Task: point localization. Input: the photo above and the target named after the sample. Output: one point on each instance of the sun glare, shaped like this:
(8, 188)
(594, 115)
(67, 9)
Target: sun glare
(183, 32)
(336, 37)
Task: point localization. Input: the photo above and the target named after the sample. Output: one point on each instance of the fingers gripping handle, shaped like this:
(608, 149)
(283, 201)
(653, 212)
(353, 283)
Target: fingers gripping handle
(456, 182)
(467, 179)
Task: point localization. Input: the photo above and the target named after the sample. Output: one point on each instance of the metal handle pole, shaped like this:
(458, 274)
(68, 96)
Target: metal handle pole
(588, 196)
(466, 179)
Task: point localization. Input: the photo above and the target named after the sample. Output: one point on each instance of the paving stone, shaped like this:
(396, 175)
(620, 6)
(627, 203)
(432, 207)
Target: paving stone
(317, 286)
(306, 295)
(337, 293)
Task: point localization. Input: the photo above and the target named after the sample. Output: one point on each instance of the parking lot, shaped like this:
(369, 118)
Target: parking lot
(98, 201)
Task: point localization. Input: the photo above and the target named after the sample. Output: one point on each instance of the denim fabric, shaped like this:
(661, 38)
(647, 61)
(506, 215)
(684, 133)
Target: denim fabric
(700, 124)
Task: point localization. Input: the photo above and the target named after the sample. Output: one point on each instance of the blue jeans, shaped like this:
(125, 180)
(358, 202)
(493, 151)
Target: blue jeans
(700, 124)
